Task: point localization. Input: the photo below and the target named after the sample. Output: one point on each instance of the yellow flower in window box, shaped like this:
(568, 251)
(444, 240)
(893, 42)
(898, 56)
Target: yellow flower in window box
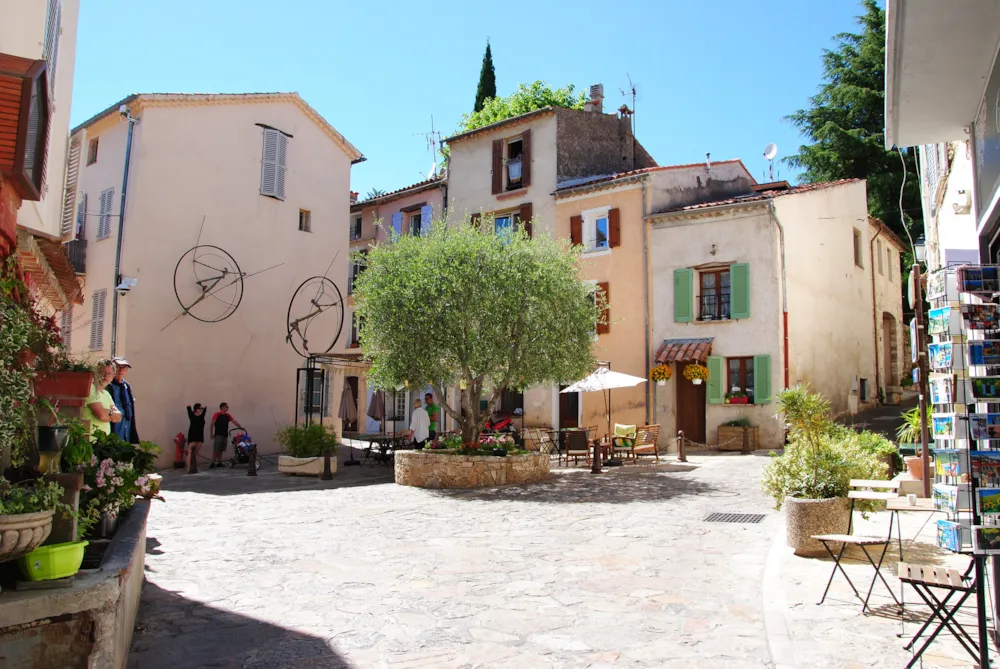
(696, 373)
(661, 374)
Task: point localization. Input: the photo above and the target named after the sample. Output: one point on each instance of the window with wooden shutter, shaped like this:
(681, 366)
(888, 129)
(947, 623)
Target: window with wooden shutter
(576, 230)
(526, 159)
(614, 228)
(92, 150)
(397, 223)
(739, 290)
(715, 390)
(762, 379)
(683, 295)
(81, 219)
(272, 170)
(524, 216)
(104, 219)
(474, 220)
(497, 166)
(604, 322)
(426, 219)
(69, 193)
(97, 320)
(66, 326)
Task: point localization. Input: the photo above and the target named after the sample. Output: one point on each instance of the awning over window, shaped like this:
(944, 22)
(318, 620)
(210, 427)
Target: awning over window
(684, 350)
(49, 269)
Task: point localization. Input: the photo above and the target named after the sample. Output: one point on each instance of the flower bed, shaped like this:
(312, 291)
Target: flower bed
(425, 469)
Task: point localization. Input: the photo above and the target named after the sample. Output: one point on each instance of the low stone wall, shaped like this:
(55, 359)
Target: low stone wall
(433, 470)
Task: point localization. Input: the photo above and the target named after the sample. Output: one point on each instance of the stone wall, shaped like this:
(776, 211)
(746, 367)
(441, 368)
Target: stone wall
(433, 470)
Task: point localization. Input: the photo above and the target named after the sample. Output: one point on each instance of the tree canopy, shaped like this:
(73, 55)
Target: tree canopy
(487, 87)
(463, 306)
(845, 122)
(527, 97)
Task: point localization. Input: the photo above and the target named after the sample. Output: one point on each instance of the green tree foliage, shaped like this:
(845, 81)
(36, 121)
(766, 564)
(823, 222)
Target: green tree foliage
(469, 308)
(845, 122)
(487, 87)
(374, 193)
(527, 97)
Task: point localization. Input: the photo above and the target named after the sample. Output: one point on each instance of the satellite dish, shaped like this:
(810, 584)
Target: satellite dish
(770, 151)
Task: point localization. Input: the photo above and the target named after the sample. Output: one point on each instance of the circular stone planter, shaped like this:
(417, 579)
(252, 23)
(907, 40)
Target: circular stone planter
(807, 517)
(434, 470)
(305, 466)
(22, 533)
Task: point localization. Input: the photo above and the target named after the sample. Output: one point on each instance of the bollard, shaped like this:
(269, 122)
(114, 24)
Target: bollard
(596, 466)
(252, 466)
(193, 461)
(327, 474)
(681, 457)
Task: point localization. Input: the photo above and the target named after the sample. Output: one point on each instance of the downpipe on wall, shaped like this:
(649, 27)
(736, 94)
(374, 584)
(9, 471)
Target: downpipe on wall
(126, 116)
(784, 291)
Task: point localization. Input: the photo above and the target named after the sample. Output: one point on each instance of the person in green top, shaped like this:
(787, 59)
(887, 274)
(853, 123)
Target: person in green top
(432, 413)
(100, 408)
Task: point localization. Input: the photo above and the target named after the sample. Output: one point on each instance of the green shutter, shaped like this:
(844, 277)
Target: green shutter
(739, 290)
(683, 295)
(716, 380)
(761, 379)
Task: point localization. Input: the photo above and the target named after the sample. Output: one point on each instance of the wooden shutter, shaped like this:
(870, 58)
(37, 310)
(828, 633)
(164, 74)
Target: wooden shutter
(761, 379)
(426, 219)
(526, 159)
(498, 166)
(525, 217)
(614, 228)
(397, 223)
(104, 222)
(81, 218)
(269, 163)
(66, 326)
(716, 379)
(474, 220)
(69, 194)
(97, 320)
(683, 295)
(739, 290)
(576, 230)
(605, 327)
(279, 173)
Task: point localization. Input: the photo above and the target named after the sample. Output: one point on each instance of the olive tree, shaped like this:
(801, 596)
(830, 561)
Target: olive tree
(464, 306)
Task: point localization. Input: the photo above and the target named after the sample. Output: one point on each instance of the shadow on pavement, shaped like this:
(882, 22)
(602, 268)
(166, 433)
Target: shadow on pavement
(172, 631)
(615, 486)
(227, 481)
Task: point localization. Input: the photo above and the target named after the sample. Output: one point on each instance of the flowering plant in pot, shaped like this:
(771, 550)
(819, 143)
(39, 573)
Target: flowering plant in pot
(696, 373)
(661, 374)
(26, 511)
(498, 444)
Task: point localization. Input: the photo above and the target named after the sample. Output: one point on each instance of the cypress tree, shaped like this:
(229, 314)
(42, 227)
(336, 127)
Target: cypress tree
(487, 81)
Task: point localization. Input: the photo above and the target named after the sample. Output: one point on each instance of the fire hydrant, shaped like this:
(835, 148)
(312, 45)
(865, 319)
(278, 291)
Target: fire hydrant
(180, 454)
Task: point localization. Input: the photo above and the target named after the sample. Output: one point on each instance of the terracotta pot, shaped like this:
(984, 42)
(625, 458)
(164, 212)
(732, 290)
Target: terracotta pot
(21, 533)
(806, 518)
(915, 466)
(63, 384)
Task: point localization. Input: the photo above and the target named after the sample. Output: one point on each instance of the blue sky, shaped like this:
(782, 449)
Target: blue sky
(712, 76)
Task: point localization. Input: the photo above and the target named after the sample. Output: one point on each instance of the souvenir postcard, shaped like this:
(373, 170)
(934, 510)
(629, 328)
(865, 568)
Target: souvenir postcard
(984, 426)
(985, 352)
(978, 279)
(939, 320)
(944, 426)
(937, 284)
(986, 467)
(986, 539)
(989, 500)
(980, 316)
(987, 388)
(949, 535)
(941, 390)
(940, 355)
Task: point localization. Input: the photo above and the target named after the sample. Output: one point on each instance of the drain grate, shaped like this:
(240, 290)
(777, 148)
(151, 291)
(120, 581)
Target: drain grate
(735, 518)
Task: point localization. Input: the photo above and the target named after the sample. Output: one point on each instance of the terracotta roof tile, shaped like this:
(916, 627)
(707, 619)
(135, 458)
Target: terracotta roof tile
(391, 195)
(602, 180)
(765, 195)
(684, 350)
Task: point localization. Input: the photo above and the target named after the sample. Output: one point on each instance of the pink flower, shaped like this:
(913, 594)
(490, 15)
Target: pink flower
(86, 488)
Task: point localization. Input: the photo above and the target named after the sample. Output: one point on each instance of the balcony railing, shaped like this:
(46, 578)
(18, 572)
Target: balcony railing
(714, 307)
(77, 252)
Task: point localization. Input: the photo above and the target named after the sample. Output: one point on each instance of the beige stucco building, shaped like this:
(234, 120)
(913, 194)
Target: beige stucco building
(265, 180)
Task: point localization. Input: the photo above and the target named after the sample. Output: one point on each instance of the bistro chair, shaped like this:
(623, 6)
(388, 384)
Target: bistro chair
(577, 446)
(623, 440)
(951, 582)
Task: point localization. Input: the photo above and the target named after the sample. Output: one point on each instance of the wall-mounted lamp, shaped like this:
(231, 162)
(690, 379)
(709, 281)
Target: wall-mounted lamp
(714, 249)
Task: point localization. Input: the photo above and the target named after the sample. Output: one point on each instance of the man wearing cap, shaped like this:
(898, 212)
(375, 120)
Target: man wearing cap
(121, 393)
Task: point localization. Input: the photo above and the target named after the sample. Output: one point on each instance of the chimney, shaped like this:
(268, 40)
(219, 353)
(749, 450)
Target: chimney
(596, 102)
(354, 196)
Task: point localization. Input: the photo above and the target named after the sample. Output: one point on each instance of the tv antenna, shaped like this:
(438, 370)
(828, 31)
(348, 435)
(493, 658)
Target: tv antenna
(433, 139)
(625, 94)
(770, 151)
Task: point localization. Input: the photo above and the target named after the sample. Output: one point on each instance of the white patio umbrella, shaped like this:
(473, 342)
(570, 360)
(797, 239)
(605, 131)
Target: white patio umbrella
(602, 379)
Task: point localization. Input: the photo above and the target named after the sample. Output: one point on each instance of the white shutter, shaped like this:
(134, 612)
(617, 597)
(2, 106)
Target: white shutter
(69, 195)
(426, 216)
(97, 320)
(66, 326)
(272, 170)
(52, 46)
(279, 174)
(81, 219)
(104, 226)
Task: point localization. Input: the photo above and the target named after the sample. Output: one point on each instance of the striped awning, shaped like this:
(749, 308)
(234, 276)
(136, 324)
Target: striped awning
(684, 350)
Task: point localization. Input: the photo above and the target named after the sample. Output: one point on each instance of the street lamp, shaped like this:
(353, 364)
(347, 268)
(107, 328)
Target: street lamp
(920, 249)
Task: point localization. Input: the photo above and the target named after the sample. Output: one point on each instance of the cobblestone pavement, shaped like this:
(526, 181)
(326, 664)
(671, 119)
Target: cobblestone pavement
(618, 570)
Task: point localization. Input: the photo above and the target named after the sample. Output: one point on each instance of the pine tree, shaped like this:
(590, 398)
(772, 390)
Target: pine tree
(487, 81)
(846, 123)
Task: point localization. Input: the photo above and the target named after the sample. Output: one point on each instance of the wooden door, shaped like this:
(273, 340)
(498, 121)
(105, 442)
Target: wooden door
(690, 408)
(569, 409)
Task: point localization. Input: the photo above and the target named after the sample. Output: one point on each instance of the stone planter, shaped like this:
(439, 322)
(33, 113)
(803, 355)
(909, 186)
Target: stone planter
(731, 438)
(805, 518)
(21, 533)
(63, 384)
(304, 466)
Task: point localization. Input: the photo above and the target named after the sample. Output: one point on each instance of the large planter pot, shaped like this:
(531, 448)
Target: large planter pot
(915, 466)
(731, 437)
(53, 562)
(805, 518)
(63, 384)
(21, 533)
(304, 466)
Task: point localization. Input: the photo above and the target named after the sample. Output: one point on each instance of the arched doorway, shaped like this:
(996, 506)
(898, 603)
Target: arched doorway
(890, 350)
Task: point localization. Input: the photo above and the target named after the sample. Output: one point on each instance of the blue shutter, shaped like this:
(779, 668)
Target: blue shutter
(397, 223)
(426, 216)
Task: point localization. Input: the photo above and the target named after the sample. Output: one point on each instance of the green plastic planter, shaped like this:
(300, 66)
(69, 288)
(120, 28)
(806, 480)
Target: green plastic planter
(48, 563)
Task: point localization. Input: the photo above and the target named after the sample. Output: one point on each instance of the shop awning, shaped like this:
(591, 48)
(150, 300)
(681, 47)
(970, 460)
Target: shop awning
(49, 269)
(684, 350)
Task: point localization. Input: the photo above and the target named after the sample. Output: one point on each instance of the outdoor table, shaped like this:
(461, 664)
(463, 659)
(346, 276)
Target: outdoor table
(382, 441)
(897, 504)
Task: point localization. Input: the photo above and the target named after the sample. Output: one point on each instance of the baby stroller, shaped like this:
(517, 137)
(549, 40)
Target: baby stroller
(241, 448)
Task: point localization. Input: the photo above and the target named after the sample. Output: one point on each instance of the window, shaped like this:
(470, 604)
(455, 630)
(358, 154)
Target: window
(314, 383)
(355, 332)
(305, 220)
(740, 376)
(596, 229)
(97, 319)
(398, 406)
(104, 218)
(81, 219)
(858, 253)
(865, 391)
(881, 265)
(503, 223)
(515, 148)
(92, 151)
(272, 169)
(889, 260)
(415, 225)
(357, 267)
(356, 228)
(714, 298)
(66, 326)
(511, 163)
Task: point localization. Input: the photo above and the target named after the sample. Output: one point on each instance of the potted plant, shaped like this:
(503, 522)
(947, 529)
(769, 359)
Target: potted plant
(304, 446)
(26, 511)
(733, 433)
(61, 377)
(116, 473)
(661, 374)
(696, 373)
(908, 436)
(737, 397)
(811, 479)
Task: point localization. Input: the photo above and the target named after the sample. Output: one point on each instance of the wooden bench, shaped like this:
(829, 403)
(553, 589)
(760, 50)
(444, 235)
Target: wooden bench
(644, 443)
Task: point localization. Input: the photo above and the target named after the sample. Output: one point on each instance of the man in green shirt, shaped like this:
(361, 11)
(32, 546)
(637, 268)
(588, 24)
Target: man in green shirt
(432, 413)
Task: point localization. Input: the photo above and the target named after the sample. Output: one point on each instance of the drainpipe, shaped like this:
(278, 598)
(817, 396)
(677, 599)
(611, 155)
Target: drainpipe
(650, 393)
(871, 255)
(127, 116)
(784, 289)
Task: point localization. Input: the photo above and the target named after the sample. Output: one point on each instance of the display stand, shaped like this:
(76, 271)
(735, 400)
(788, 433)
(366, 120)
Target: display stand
(964, 361)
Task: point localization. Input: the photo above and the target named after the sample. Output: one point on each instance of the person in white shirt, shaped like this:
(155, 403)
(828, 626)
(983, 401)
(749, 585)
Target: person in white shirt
(420, 425)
